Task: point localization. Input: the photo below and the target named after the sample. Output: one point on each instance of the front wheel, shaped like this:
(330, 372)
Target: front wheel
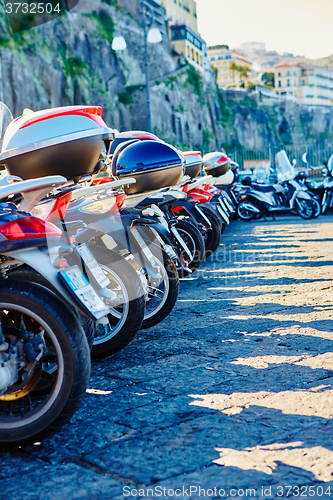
(305, 208)
(244, 212)
(46, 345)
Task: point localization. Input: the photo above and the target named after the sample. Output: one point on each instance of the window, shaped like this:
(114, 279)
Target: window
(279, 74)
(288, 73)
(279, 83)
(288, 83)
(303, 82)
(178, 34)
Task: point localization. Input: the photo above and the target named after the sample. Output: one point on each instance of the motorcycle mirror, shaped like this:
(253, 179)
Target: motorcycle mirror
(324, 171)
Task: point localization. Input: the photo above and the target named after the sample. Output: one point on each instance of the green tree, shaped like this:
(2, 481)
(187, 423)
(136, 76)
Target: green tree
(243, 72)
(268, 78)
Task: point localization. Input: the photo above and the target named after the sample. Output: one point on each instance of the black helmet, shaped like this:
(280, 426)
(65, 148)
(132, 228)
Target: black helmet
(301, 175)
(247, 181)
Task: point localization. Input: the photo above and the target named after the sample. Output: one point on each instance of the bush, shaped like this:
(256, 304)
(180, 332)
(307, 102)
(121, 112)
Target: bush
(124, 98)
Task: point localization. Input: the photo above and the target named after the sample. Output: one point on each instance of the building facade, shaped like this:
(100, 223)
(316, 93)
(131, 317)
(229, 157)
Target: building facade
(189, 44)
(223, 60)
(181, 12)
(304, 84)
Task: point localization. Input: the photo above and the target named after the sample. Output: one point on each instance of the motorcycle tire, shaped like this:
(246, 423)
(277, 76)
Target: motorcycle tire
(213, 235)
(33, 410)
(214, 210)
(167, 291)
(195, 242)
(125, 320)
(305, 208)
(317, 207)
(27, 273)
(243, 213)
(326, 204)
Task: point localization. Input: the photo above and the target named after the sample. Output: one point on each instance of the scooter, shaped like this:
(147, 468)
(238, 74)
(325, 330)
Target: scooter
(285, 197)
(45, 359)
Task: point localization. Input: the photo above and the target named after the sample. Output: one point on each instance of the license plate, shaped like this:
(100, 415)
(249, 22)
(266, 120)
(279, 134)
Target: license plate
(94, 270)
(80, 286)
(181, 242)
(223, 205)
(226, 202)
(168, 248)
(223, 215)
(143, 245)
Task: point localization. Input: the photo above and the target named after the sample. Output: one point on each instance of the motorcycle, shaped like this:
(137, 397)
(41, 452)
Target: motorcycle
(286, 196)
(45, 358)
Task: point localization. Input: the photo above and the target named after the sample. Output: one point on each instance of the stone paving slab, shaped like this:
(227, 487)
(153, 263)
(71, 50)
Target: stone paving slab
(234, 390)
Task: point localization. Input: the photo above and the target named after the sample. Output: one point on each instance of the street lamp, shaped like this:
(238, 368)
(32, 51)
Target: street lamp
(151, 35)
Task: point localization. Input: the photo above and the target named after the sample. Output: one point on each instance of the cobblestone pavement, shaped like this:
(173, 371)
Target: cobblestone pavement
(231, 396)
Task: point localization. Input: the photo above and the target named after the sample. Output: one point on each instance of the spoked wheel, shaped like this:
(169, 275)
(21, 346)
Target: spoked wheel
(194, 241)
(162, 295)
(305, 208)
(50, 359)
(125, 319)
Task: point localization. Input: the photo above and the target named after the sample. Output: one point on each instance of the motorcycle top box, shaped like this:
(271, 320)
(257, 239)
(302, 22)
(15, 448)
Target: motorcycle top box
(216, 164)
(193, 163)
(64, 141)
(153, 164)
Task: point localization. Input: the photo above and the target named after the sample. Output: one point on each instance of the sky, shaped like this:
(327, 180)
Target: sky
(302, 27)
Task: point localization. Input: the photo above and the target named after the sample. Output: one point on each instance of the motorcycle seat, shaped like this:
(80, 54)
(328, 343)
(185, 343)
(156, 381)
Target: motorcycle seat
(265, 188)
(150, 201)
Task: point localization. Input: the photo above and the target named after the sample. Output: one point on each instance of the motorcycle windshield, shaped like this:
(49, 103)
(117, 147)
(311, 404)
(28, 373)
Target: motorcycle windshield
(261, 173)
(5, 118)
(330, 163)
(284, 168)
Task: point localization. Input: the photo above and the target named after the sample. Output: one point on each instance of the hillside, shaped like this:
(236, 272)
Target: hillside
(70, 61)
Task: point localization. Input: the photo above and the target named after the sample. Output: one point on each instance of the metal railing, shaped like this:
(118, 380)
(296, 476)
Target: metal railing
(316, 155)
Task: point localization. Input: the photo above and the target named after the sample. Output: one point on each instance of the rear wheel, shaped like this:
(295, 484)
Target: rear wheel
(305, 208)
(194, 241)
(244, 213)
(162, 296)
(326, 203)
(46, 342)
(124, 320)
(213, 235)
(317, 207)
(27, 273)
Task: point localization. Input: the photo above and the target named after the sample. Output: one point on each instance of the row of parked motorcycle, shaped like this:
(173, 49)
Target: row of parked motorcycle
(292, 193)
(96, 230)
